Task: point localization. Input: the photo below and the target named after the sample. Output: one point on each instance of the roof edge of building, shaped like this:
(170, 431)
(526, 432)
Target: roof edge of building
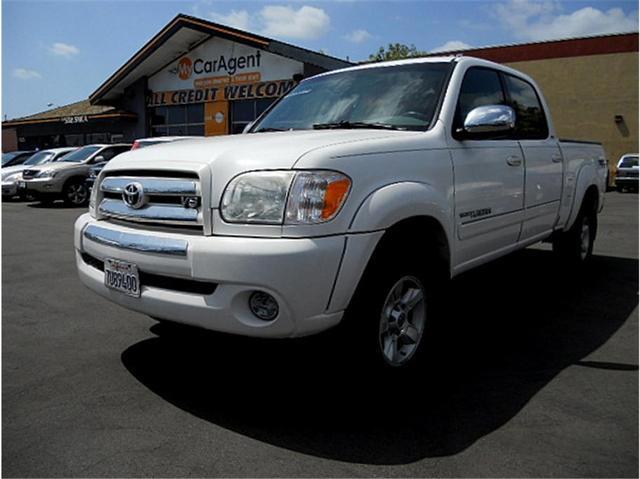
(591, 45)
(182, 20)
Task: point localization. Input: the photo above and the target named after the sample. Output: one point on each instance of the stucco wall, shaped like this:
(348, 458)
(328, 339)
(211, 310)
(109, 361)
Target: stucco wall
(586, 93)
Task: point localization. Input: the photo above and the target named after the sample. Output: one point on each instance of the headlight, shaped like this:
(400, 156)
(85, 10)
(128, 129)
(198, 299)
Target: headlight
(92, 199)
(277, 197)
(257, 197)
(316, 197)
(12, 176)
(46, 174)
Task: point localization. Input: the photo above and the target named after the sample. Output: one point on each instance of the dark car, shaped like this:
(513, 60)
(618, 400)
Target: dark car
(16, 157)
(627, 173)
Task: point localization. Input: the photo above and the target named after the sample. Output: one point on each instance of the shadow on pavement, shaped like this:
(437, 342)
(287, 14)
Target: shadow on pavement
(54, 205)
(512, 327)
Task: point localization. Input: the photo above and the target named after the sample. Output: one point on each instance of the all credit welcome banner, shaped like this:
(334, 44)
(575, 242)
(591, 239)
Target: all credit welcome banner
(269, 89)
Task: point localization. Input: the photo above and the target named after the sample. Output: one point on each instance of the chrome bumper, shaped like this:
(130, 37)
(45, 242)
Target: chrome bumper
(135, 242)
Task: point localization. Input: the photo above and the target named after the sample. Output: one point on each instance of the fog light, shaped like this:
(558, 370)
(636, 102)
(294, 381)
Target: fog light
(263, 305)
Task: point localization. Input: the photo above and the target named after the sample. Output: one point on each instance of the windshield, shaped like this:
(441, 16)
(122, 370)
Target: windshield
(81, 155)
(402, 97)
(629, 162)
(7, 157)
(39, 158)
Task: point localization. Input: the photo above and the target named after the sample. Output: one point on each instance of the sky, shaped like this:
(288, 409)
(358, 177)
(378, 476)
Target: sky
(59, 52)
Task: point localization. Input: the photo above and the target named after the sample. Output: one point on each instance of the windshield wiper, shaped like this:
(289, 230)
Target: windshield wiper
(344, 124)
(260, 130)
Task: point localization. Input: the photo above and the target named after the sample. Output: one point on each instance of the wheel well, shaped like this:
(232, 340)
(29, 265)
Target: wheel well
(422, 233)
(590, 200)
(73, 179)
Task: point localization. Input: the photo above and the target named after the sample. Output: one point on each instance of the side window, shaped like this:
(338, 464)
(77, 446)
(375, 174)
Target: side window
(531, 122)
(107, 153)
(480, 87)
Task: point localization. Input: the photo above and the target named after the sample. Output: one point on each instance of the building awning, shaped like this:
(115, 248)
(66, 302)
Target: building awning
(184, 33)
(78, 112)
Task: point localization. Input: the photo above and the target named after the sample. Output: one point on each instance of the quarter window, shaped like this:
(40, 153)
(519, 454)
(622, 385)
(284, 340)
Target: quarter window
(531, 123)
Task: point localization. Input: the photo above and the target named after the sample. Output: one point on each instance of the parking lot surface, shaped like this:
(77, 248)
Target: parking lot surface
(536, 375)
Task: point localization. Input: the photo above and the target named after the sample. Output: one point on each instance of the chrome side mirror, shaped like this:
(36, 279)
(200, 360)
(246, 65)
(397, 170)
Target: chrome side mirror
(248, 127)
(490, 119)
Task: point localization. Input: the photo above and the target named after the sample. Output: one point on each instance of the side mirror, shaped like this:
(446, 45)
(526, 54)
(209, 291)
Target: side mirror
(97, 159)
(248, 127)
(490, 119)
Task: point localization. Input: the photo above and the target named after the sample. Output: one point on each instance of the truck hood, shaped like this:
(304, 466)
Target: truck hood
(224, 157)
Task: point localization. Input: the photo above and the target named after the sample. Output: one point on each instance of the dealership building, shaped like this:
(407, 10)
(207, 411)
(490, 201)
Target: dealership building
(196, 77)
(193, 78)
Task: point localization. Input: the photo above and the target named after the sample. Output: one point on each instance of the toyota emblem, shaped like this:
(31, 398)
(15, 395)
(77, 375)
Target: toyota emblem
(133, 195)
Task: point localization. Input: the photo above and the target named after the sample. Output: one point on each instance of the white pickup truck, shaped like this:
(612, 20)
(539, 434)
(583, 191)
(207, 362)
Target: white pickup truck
(349, 201)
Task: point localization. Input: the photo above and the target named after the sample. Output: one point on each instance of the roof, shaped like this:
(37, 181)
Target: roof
(569, 47)
(77, 109)
(184, 33)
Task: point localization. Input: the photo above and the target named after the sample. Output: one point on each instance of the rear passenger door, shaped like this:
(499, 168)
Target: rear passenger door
(543, 160)
(488, 177)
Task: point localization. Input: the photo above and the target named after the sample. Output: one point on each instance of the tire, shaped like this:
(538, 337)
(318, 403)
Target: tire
(75, 193)
(575, 247)
(388, 322)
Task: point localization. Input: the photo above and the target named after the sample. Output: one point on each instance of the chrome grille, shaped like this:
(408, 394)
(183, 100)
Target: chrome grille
(149, 199)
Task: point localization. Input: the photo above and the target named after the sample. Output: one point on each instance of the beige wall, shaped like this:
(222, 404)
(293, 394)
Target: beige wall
(585, 93)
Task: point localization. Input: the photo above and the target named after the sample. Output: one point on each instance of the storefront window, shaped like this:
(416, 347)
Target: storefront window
(178, 120)
(244, 112)
(74, 140)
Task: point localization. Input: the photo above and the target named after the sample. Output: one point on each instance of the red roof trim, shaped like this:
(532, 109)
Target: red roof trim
(556, 49)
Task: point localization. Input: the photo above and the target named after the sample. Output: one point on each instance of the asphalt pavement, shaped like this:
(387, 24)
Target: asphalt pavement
(536, 374)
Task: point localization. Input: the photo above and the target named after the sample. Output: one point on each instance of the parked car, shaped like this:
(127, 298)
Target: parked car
(16, 157)
(158, 140)
(65, 179)
(141, 143)
(627, 172)
(12, 175)
(350, 202)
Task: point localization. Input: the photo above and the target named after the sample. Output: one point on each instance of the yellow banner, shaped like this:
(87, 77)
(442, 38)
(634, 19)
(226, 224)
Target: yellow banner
(269, 89)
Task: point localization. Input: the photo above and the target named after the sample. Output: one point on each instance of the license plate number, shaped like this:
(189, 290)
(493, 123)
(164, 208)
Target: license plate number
(122, 276)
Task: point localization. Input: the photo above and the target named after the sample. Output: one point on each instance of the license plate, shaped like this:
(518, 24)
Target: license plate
(122, 276)
(22, 185)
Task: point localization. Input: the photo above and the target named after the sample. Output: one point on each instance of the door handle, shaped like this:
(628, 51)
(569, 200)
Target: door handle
(556, 158)
(514, 161)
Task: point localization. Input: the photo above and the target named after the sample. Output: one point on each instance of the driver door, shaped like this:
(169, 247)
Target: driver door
(488, 178)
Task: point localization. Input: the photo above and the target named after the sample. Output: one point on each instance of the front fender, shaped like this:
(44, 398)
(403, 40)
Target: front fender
(398, 201)
(379, 211)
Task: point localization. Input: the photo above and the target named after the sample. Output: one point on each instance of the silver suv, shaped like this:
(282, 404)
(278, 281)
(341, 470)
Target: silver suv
(65, 179)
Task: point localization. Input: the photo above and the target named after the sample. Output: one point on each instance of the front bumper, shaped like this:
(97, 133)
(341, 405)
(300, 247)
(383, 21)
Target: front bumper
(9, 189)
(299, 273)
(627, 181)
(43, 186)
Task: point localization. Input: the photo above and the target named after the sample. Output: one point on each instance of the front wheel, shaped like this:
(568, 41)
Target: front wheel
(389, 319)
(76, 194)
(403, 319)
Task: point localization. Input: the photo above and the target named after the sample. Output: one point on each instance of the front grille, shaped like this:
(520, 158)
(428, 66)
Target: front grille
(160, 281)
(28, 174)
(158, 198)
